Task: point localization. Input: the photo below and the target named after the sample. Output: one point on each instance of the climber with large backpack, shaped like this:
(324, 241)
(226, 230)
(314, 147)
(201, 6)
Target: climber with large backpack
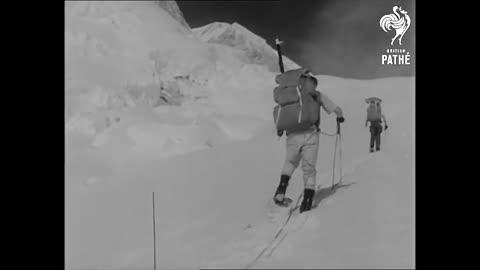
(297, 114)
(375, 117)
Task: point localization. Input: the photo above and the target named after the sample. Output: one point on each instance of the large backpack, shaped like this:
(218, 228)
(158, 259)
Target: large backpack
(374, 113)
(297, 107)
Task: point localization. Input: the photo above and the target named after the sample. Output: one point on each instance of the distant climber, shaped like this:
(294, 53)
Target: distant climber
(375, 117)
(298, 115)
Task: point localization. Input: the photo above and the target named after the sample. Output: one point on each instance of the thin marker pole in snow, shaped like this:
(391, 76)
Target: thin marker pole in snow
(154, 241)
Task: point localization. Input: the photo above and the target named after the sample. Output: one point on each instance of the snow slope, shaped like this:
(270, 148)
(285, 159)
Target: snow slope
(150, 107)
(207, 199)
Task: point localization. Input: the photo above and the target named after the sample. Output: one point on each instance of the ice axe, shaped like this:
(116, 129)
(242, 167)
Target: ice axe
(280, 64)
(279, 51)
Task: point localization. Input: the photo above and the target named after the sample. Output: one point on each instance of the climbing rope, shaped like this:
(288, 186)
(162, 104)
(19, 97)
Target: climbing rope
(290, 212)
(293, 208)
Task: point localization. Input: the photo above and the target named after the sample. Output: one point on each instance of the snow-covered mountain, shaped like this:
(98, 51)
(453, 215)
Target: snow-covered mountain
(152, 106)
(126, 55)
(239, 37)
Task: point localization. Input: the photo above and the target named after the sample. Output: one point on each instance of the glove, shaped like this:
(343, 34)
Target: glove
(386, 127)
(340, 119)
(280, 133)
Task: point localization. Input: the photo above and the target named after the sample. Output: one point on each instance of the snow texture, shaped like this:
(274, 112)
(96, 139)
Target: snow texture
(153, 107)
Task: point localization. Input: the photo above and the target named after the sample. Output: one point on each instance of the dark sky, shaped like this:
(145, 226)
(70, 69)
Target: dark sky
(335, 37)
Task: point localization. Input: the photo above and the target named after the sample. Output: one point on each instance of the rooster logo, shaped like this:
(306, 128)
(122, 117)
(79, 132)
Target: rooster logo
(399, 22)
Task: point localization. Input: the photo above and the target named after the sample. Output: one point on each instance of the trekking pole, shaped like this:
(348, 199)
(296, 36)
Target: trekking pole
(340, 151)
(335, 156)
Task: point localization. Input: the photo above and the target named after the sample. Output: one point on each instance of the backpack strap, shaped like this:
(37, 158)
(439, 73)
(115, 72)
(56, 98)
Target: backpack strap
(278, 116)
(316, 96)
(301, 105)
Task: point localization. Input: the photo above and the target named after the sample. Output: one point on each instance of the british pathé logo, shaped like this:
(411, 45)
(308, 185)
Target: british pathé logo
(398, 22)
(396, 57)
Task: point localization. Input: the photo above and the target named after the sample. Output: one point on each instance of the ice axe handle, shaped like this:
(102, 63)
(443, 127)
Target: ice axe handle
(279, 51)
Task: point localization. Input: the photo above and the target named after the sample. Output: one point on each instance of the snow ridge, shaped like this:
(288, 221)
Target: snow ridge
(239, 37)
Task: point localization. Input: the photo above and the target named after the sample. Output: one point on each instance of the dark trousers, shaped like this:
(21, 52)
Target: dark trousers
(375, 131)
